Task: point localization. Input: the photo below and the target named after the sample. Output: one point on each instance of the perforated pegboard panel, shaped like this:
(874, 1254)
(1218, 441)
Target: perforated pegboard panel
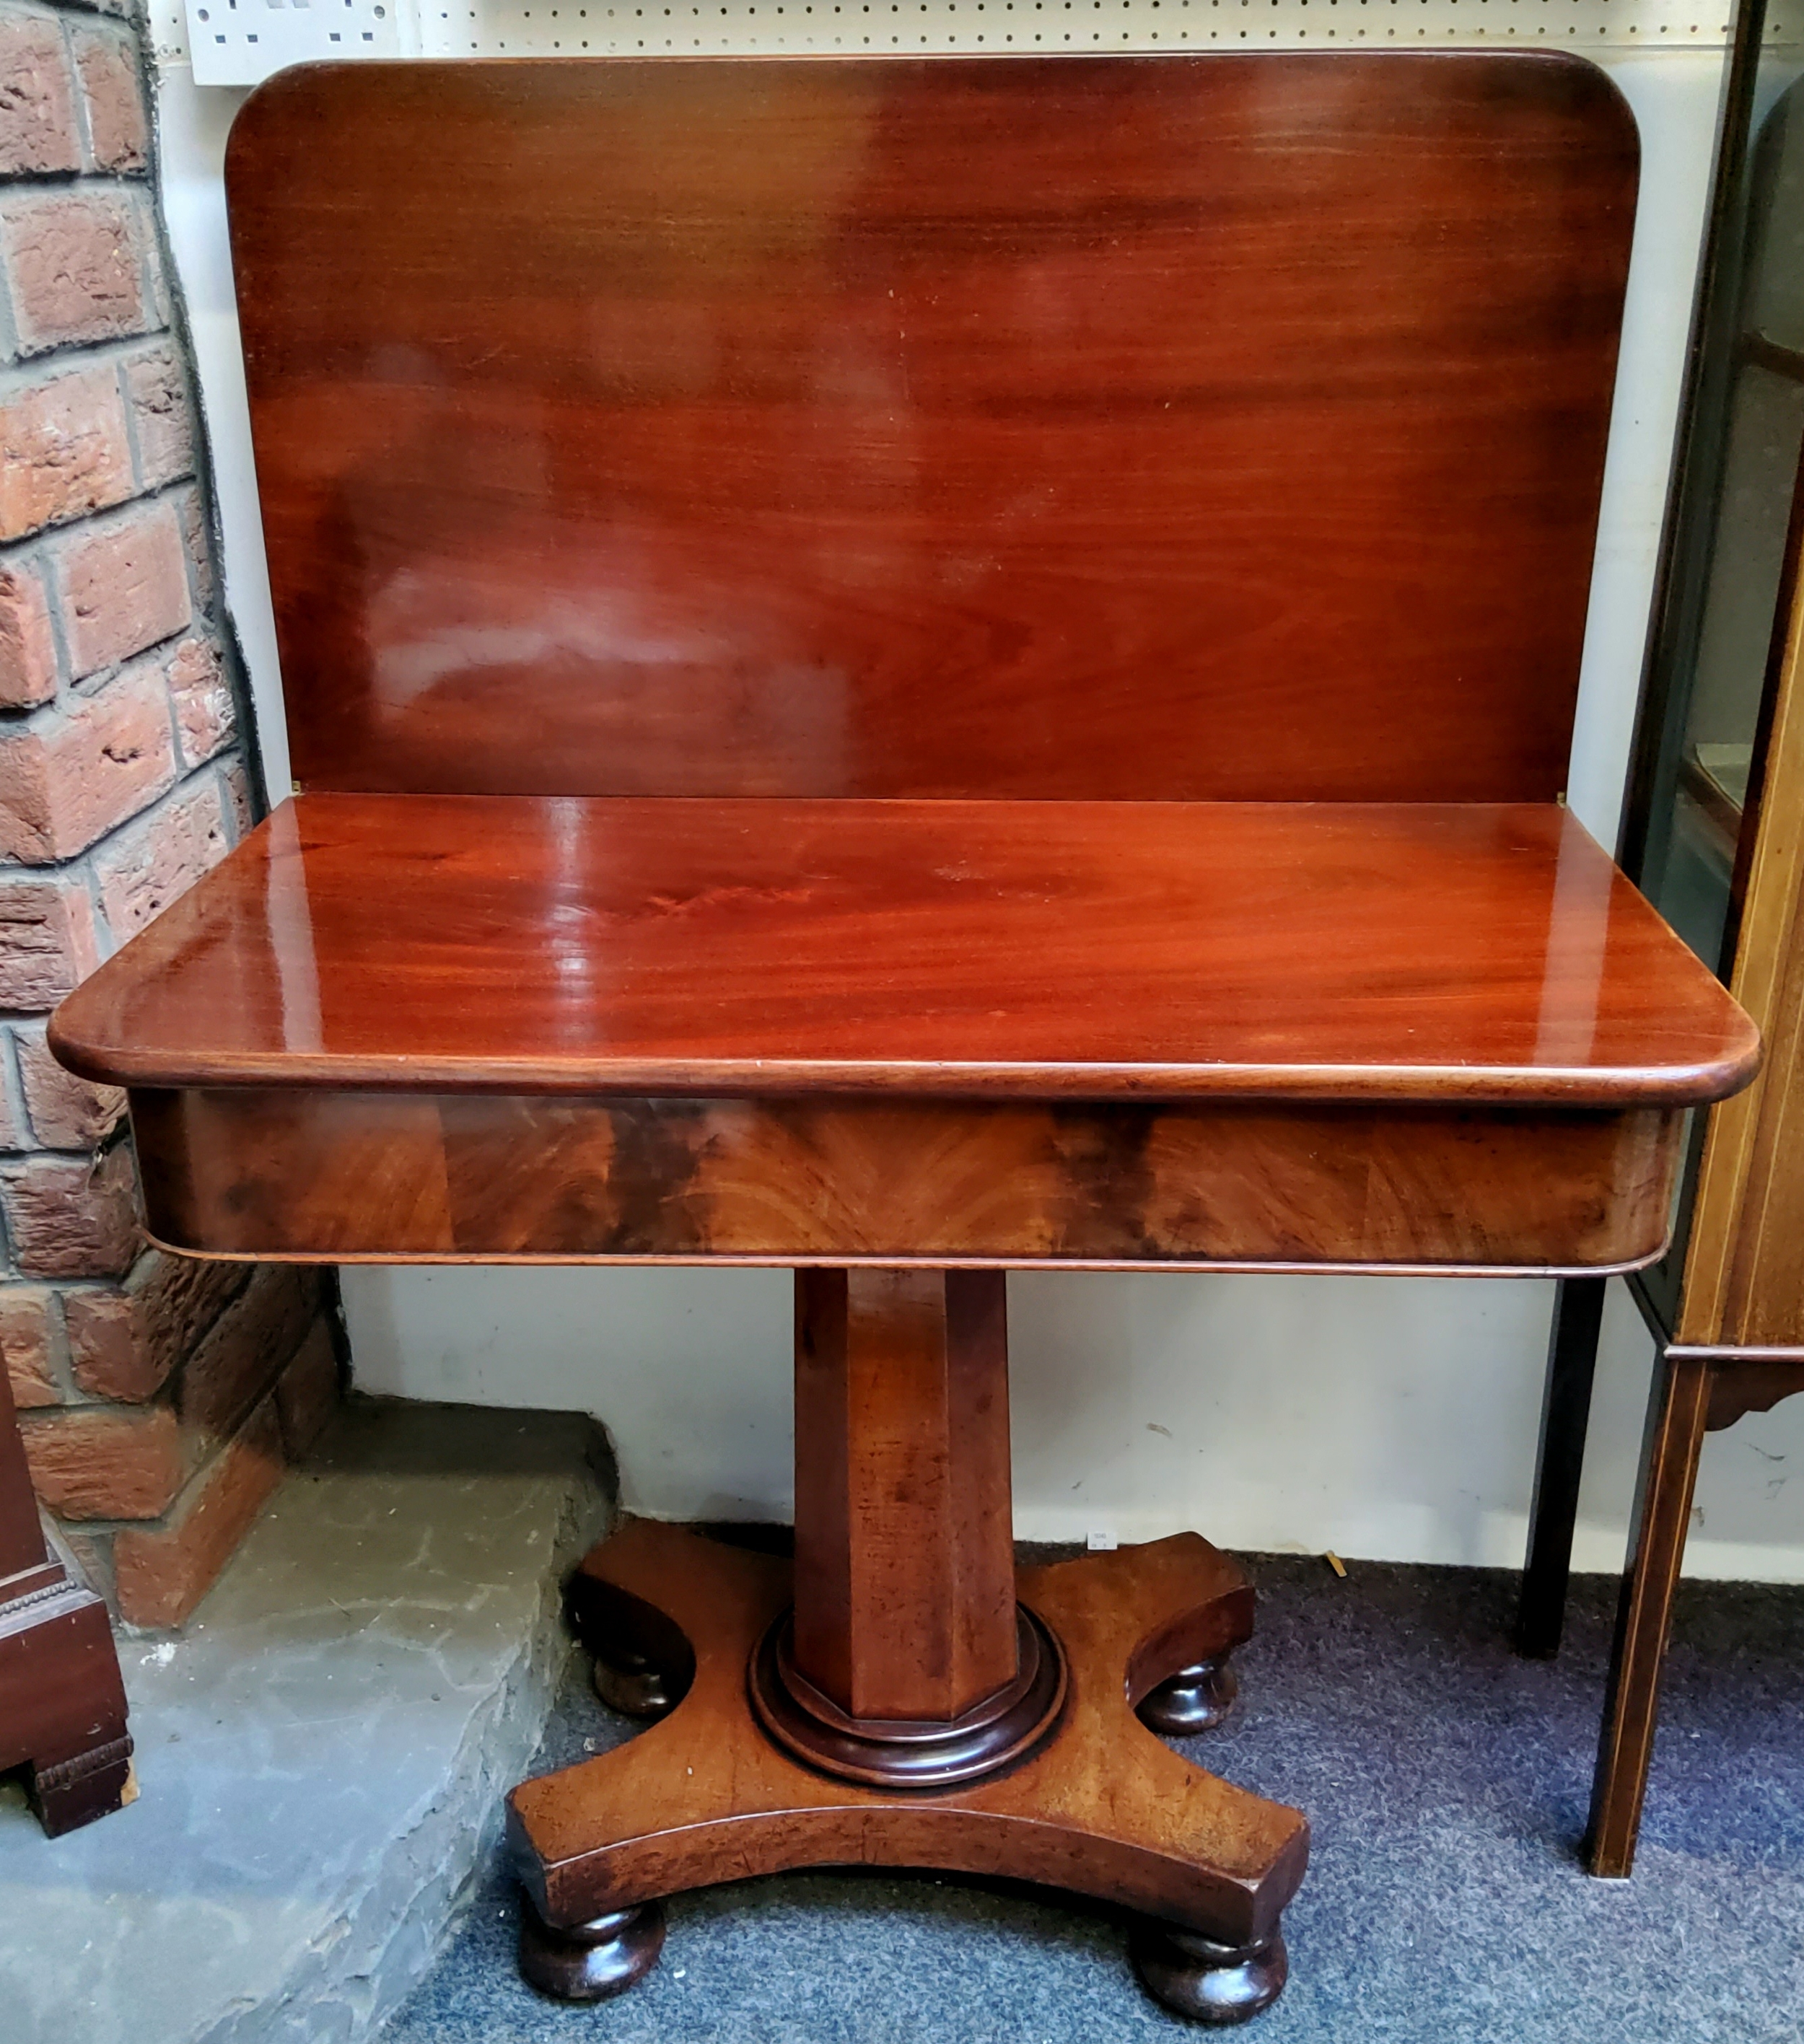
(239, 41)
(236, 42)
(535, 28)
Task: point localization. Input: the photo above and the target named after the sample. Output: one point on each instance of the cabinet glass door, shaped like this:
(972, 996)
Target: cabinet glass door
(1732, 532)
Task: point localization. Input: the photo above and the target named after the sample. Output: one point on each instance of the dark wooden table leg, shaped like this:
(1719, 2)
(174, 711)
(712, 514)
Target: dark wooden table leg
(1566, 1413)
(907, 1662)
(1679, 1412)
(900, 1698)
(62, 1704)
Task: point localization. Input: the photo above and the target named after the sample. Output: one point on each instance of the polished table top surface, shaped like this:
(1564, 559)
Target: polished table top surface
(1488, 953)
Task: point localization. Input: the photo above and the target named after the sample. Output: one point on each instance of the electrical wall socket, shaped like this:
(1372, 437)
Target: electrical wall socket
(240, 42)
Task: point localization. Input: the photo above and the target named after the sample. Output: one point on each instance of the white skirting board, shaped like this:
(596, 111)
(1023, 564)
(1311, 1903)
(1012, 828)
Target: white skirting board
(1389, 1419)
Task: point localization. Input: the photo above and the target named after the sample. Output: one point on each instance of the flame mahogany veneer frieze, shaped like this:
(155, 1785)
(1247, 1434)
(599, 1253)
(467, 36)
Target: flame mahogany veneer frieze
(367, 1176)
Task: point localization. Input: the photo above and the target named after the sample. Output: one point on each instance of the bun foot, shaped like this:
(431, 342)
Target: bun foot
(644, 1664)
(1097, 1806)
(1193, 1977)
(635, 1688)
(1196, 1699)
(591, 1962)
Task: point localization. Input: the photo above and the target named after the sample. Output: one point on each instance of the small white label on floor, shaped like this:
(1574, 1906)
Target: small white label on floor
(1100, 1542)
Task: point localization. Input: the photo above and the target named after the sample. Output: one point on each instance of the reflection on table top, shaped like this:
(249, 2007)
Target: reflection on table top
(1020, 949)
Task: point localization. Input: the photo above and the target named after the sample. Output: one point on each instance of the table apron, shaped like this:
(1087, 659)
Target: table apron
(391, 1175)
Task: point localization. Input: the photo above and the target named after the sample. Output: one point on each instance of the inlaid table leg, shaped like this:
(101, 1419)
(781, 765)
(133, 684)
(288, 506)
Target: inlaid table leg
(1695, 1392)
(899, 1697)
(1678, 1420)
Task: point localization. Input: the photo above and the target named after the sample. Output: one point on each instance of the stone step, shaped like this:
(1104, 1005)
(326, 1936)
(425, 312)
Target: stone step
(322, 1753)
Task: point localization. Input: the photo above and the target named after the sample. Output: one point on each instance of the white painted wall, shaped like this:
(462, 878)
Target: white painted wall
(1386, 1418)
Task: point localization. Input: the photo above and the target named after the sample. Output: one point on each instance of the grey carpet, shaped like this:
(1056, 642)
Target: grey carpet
(1446, 1781)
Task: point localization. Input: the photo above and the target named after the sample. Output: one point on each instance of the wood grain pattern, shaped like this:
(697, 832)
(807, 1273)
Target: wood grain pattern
(1758, 1177)
(373, 1177)
(1695, 1391)
(1217, 440)
(904, 1541)
(1104, 1809)
(1398, 952)
(1741, 1383)
(1742, 1285)
(1738, 1322)
(1168, 426)
(1678, 1415)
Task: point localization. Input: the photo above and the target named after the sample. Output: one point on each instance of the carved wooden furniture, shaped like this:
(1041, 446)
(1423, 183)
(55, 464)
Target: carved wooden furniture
(1715, 834)
(909, 668)
(62, 1704)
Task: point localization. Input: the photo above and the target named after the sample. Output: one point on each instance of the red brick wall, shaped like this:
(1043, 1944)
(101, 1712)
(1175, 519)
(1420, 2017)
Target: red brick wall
(159, 1398)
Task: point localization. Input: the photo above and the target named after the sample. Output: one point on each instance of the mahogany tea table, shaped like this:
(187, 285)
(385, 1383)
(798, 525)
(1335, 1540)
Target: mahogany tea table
(910, 669)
